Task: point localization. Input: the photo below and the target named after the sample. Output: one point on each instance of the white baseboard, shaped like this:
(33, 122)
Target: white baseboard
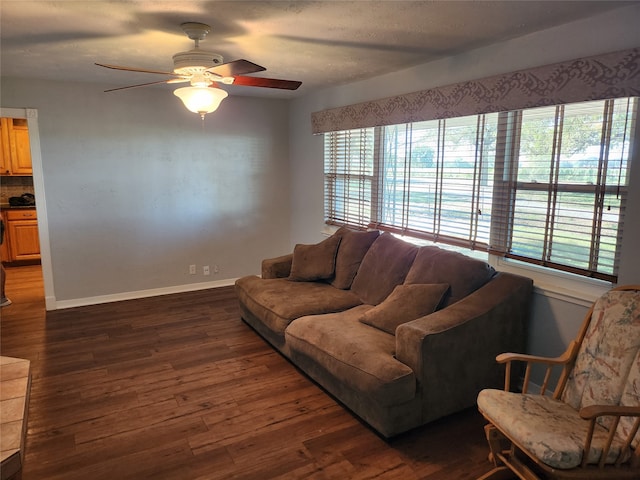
(52, 304)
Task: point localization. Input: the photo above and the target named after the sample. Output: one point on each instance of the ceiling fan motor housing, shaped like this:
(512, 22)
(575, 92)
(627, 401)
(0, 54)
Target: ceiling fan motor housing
(195, 60)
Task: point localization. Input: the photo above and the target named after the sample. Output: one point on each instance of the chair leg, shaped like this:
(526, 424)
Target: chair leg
(499, 473)
(497, 444)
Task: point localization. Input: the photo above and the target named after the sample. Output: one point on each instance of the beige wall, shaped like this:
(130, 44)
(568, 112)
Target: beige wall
(137, 189)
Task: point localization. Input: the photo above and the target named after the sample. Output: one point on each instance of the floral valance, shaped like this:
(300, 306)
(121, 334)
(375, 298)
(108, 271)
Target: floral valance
(611, 75)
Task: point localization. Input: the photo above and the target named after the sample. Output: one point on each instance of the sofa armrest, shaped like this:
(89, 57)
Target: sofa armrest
(278, 267)
(452, 351)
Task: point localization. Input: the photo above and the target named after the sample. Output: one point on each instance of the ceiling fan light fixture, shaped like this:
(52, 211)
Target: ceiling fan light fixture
(205, 70)
(201, 100)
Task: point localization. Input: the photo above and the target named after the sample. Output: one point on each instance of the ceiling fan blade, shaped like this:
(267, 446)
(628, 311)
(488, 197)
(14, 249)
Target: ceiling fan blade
(236, 67)
(143, 85)
(131, 69)
(266, 82)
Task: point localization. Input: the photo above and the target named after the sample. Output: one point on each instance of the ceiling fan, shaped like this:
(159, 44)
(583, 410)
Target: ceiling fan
(204, 69)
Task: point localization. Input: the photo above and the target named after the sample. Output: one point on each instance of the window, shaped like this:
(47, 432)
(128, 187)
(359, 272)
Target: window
(544, 185)
(436, 180)
(349, 165)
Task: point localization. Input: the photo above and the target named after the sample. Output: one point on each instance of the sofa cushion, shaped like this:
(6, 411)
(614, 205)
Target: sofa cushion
(315, 262)
(383, 267)
(406, 303)
(353, 247)
(278, 301)
(464, 274)
(356, 354)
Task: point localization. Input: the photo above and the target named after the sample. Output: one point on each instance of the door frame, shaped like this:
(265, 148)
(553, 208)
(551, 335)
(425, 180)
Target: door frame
(31, 115)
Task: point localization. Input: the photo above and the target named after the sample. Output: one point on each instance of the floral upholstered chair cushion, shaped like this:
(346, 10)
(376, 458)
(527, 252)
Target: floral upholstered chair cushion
(606, 372)
(550, 429)
(609, 359)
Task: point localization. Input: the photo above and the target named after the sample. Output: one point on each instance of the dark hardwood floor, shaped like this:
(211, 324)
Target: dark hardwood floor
(178, 387)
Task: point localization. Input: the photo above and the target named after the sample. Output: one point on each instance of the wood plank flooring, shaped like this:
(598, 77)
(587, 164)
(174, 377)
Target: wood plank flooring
(178, 387)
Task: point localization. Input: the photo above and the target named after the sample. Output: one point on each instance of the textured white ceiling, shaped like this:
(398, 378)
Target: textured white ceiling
(321, 43)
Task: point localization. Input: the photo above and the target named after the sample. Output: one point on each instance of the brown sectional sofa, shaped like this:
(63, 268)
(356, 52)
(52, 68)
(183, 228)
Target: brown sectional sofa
(400, 334)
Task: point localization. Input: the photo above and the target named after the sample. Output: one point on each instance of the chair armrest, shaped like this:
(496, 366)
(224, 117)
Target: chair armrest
(593, 411)
(523, 357)
(452, 351)
(278, 267)
(616, 412)
(565, 361)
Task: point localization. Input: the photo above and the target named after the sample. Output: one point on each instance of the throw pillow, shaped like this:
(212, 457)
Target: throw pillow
(384, 266)
(436, 265)
(406, 303)
(314, 262)
(353, 247)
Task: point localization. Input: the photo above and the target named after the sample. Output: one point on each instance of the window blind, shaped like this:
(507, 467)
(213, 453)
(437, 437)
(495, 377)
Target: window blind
(349, 170)
(435, 180)
(546, 185)
(563, 187)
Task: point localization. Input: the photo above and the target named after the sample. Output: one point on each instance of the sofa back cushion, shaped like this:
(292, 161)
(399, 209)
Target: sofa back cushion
(464, 274)
(384, 266)
(353, 247)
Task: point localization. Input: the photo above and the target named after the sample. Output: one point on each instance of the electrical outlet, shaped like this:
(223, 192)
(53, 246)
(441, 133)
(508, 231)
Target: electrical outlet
(192, 269)
(215, 269)
(205, 270)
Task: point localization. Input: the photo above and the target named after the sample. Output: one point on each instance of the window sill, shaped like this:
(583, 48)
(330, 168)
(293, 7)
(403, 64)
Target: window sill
(554, 283)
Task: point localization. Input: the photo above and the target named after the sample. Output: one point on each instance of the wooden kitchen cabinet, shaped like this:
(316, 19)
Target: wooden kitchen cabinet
(15, 149)
(4, 248)
(5, 149)
(21, 234)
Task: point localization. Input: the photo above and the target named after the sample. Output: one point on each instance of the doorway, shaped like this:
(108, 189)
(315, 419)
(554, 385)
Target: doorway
(44, 270)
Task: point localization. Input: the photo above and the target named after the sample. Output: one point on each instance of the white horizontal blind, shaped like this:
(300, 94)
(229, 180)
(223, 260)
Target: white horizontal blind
(349, 168)
(568, 178)
(436, 180)
(546, 185)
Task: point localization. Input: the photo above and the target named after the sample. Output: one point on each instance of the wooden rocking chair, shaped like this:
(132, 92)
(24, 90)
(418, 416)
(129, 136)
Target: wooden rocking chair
(594, 408)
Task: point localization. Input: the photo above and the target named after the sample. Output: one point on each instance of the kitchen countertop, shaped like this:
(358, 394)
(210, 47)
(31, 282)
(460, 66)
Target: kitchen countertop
(6, 206)
(15, 378)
